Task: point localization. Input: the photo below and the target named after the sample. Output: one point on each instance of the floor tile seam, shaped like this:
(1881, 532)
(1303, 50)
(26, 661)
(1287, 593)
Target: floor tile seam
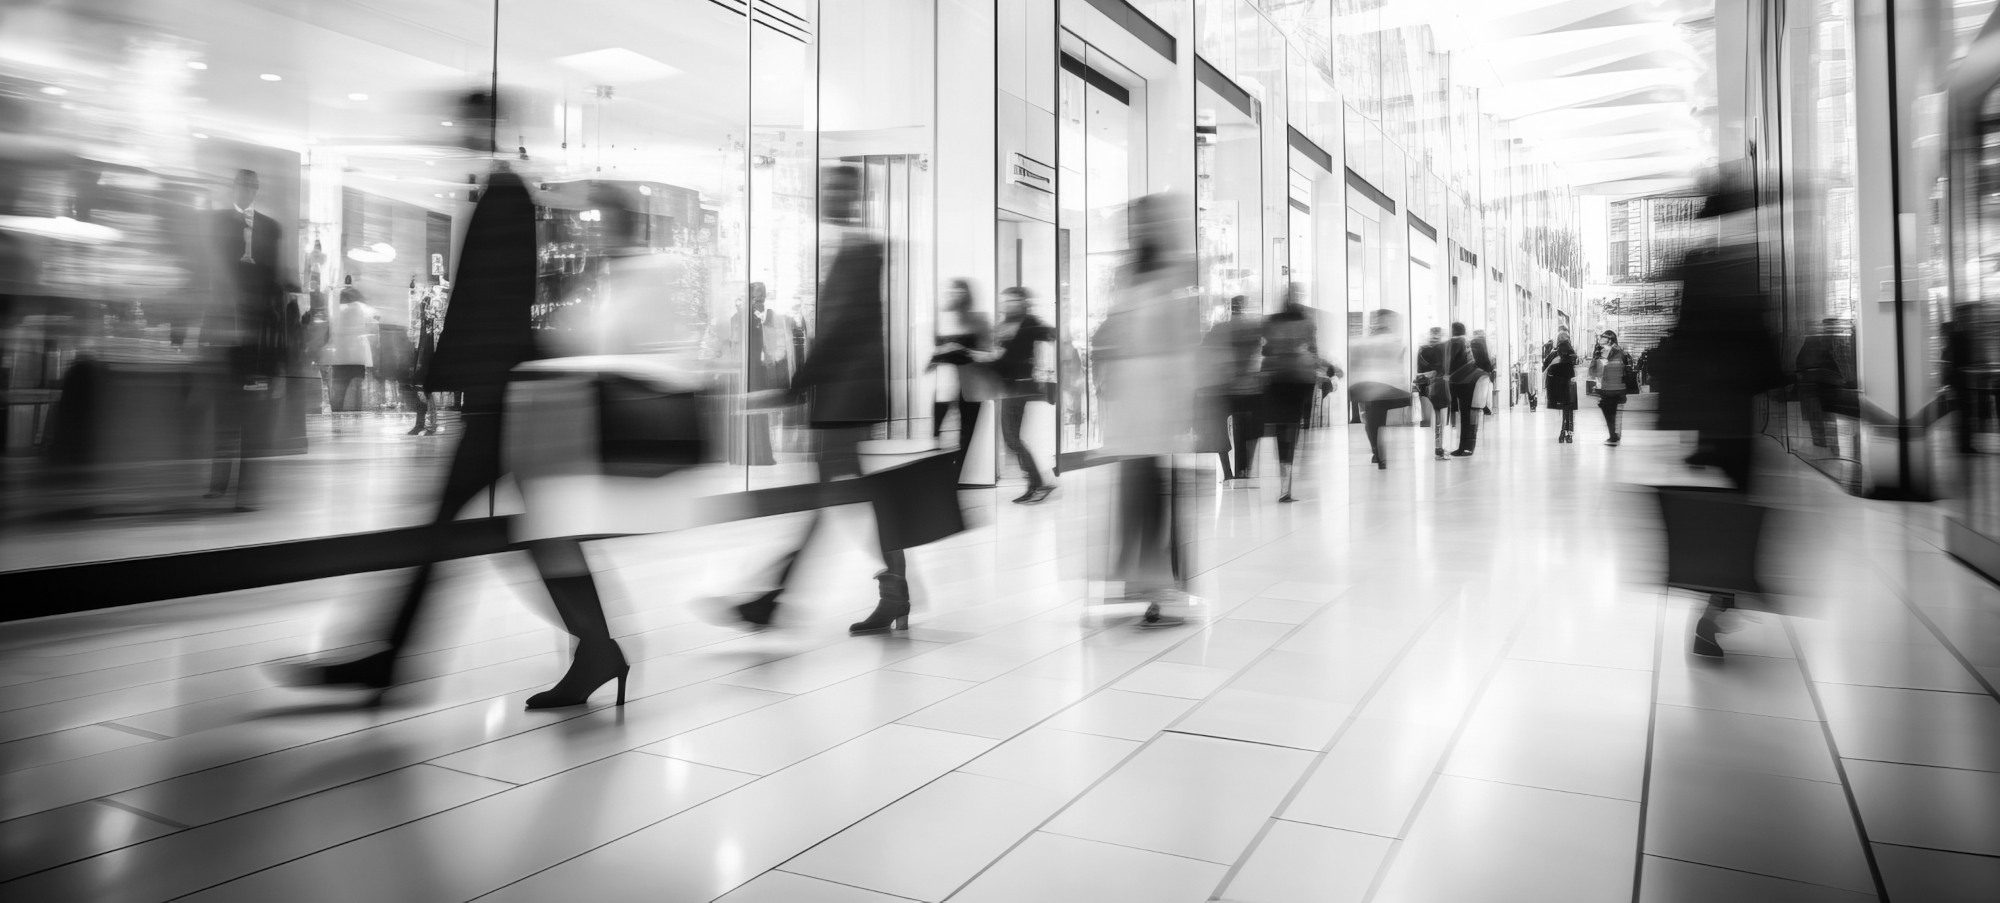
(1114, 843)
(123, 729)
(1916, 611)
(781, 868)
(13, 644)
(1744, 871)
(1882, 686)
(1354, 715)
(1444, 756)
(754, 776)
(1312, 824)
(339, 736)
(1524, 786)
(1913, 846)
(140, 684)
(1839, 767)
(205, 825)
(166, 655)
(754, 779)
(1711, 708)
(1263, 743)
(142, 813)
(1929, 765)
(259, 666)
(1652, 736)
(433, 764)
(1549, 661)
(1706, 767)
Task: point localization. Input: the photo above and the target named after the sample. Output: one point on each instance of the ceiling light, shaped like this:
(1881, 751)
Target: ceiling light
(54, 91)
(271, 77)
(446, 123)
(618, 66)
(197, 64)
(379, 252)
(357, 96)
(200, 136)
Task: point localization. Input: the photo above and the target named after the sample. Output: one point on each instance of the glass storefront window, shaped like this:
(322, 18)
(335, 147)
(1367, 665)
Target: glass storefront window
(1228, 203)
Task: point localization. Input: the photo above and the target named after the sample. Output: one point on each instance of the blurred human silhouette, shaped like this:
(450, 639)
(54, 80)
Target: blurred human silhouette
(1616, 379)
(1824, 369)
(350, 350)
(1233, 381)
(1969, 408)
(1469, 364)
(962, 382)
(1021, 363)
(1381, 372)
(491, 331)
(1290, 370)
(243, 330)
(1559, 382)
(1144, 354)
(1720, 356)
(844, 381)
(1434, 386)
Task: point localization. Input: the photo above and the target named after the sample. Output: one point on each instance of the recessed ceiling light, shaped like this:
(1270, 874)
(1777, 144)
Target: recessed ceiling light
(54, 91)
(200, 136)
(357, 96)
(271, 77)
(446, 123)
(197, 64)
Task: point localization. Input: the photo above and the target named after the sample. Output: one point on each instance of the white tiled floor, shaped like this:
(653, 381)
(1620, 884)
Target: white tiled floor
(1444, 681)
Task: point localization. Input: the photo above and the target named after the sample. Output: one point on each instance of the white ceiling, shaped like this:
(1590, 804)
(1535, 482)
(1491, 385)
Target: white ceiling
(1619, 93)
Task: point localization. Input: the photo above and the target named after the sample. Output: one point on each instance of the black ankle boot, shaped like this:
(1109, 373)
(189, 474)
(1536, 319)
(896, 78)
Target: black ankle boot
(892, 610)
(595, 665)
(598, 659)
(1704, 632)
(369, 672)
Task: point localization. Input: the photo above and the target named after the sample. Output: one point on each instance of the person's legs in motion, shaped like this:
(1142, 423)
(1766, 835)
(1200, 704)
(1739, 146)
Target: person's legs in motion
(1373, 415)
(1609, 405)
(1569, 425)
(1245, 428)
(938, 409)
(598, 660)
(1012, 411)
(968, 421)
(475, 465)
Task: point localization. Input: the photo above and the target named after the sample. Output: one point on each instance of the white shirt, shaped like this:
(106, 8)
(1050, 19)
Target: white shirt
(249, 229)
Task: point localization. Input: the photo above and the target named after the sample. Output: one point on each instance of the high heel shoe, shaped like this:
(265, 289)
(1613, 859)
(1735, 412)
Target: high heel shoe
(587, 672)
(375, 673)
(755, 614)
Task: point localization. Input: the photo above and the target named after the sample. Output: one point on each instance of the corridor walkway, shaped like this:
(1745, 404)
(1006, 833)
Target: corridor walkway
(1447, 681)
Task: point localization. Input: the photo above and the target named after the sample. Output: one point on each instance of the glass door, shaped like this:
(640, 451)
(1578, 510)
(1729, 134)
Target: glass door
(1100, 154)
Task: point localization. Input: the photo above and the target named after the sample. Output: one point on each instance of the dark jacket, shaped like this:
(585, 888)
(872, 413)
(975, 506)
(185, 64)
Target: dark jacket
(1291, 349)
(845, 376)
(249, 311)
(1721, 354)
(1559, 375)
(491, 327)
(1017, 351)
(1433, 357)
(1466, 362)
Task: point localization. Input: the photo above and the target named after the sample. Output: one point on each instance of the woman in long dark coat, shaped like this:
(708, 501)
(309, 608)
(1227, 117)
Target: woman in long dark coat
(1559, 384)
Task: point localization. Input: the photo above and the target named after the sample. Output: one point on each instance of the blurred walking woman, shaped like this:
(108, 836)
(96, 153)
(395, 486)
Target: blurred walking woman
(1381, 376)
(1290, 372)
(1559, 384)
(1023, 340)
(962, 332)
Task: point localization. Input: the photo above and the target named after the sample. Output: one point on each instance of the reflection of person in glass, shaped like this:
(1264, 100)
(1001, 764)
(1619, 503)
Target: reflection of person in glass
(1825, 372)
(766, 339)
(350, 349)
(489, 333)
(1144, 354)
(961, 333)
(844, 380)
(244, 325)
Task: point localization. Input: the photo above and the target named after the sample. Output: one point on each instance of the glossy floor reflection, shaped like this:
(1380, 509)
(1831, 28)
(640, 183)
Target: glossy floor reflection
(1440, 682)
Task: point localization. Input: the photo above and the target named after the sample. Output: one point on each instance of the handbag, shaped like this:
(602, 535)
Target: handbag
(1482, 392)
(917, 503)
(1712, 539)
(647, 431)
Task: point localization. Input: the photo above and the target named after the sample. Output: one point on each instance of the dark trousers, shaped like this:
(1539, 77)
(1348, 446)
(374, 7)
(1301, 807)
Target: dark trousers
(344, 376)
(1373, 415)
(1609, 404)
(1569, 420)
(232, 414)
(1286, 407)
(1012, 410)
(475, 465)
(840, 458)
(1246, 426)
(1468, 416)
(968, 419)
(1148, 551)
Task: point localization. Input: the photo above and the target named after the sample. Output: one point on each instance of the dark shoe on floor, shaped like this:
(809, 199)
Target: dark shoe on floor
(1156, 618)
(887, 616)
(590, 669)
(1038, 496)
(1439, 452)
(369, 672)
(752, 611)
(1461, 453)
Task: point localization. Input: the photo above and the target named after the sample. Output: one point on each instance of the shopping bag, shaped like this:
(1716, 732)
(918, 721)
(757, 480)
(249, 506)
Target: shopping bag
(1482, 392)
(1713, 539)
(916, 503)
